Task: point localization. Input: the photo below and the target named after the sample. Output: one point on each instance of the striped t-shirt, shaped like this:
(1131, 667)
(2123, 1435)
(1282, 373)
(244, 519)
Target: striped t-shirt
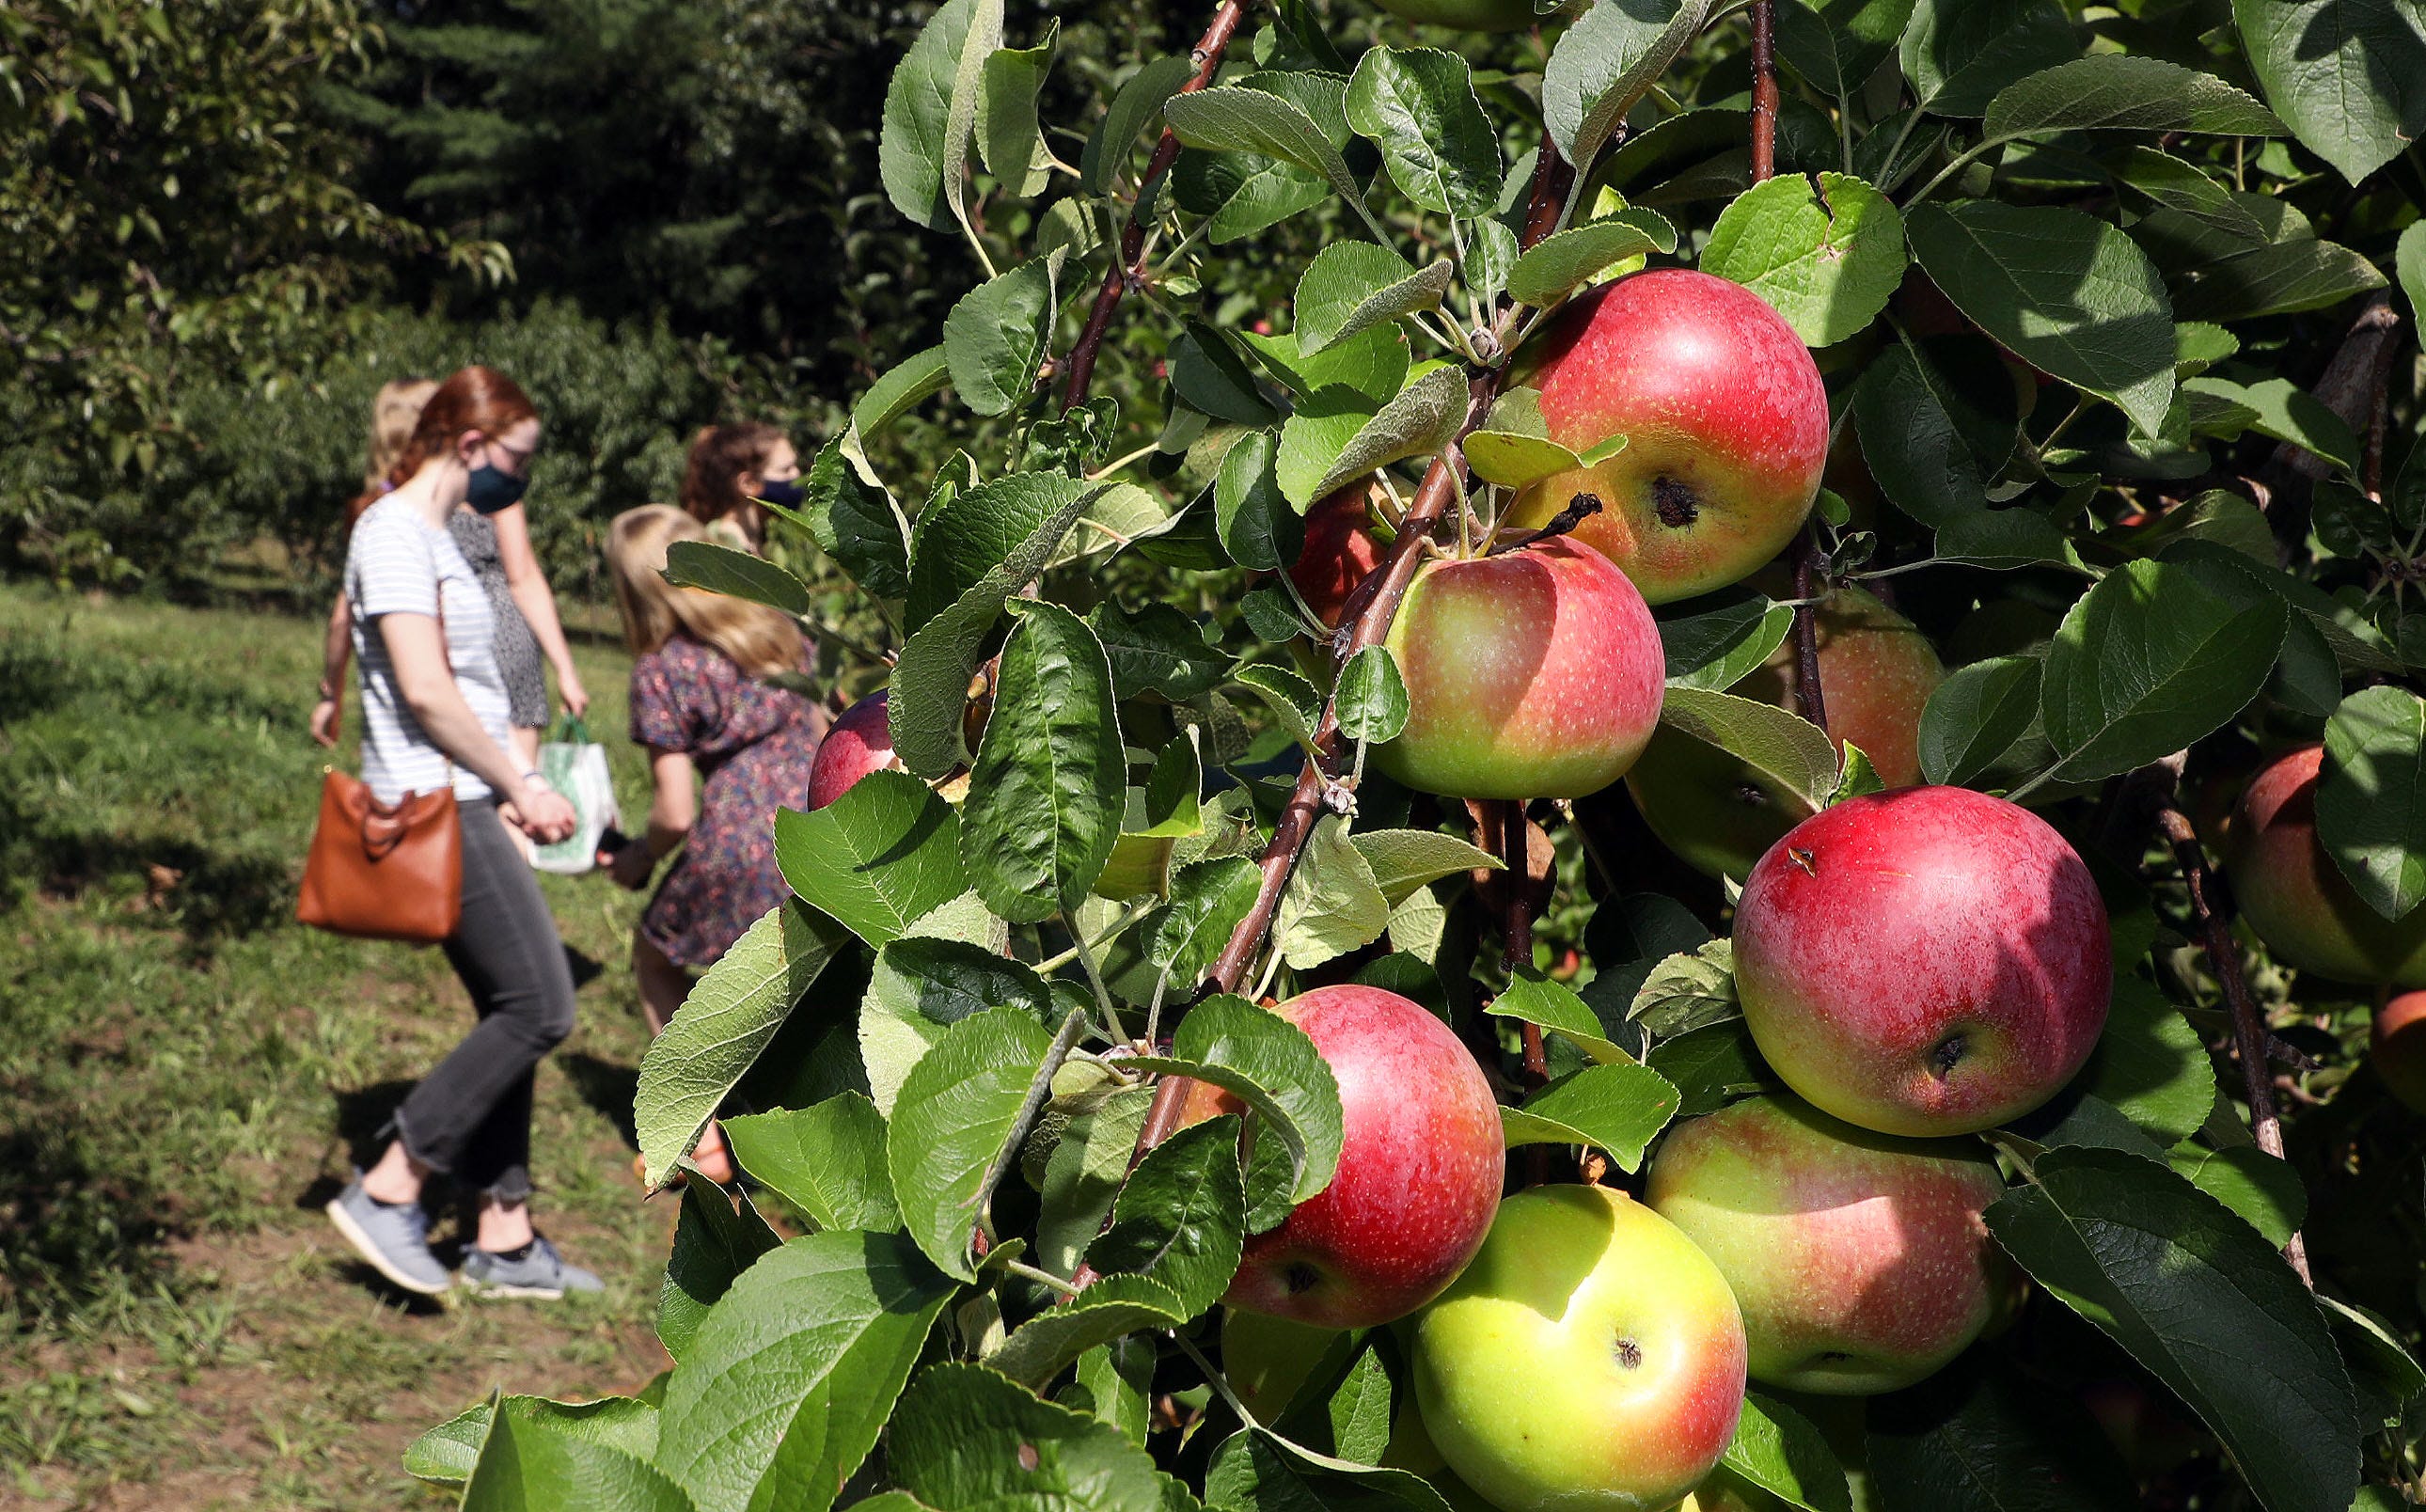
(398, 564)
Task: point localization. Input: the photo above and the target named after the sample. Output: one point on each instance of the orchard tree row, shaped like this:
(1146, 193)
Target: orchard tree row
(1720, 827)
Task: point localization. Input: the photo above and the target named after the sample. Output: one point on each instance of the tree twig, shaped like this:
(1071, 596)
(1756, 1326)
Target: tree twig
(1764, 89)
(2360, 369)
(1516, 952)
(1128, 266)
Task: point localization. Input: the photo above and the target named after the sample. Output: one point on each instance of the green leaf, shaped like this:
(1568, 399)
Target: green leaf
(903, 385)
(1234, 119)
(2115, 92)
(995, 336)
(1136, 102)
(2372, 797)
(1042, 1347)
(1257, 1470)
(2348, 76)
(852, 516)
(1710, 1066)
(1271, 1064)
(1826, 257)
(2263, 1190)
(1618, 1108)
(2157, 655)
(1259, 527)
(1207, 901)
(1439, 149)
(1373, 364)
(1007, 138)
(1156, 649)
(1984, 1440)
(2282, 278)
(731, 1014)
(1208, 374)
(918, 118)
(1778, 1450)
(1359, 1410)
(790, 1380)
(1926, 464)
(1294, 703)
(1491, 253)
(703, 564)
(1513, 461)
(1351, 287)
(1084, 1174)
(1785, 747)
(960, 114)
(1976, 718)
(827, 1161)
(1719, 648)
(445, 1456)
(882, 854)
(531, 1463)
(1334, 903)
(2150, 1064)
(2409, 261)
(1959, 54)
(1004, 540)
(1687, 990)
(1241, 194)
(719, 1237)
(2187, 189)
(2063, 291)
(1606, 62)
(1044, 799)
(1182, 1217)
(953, 1126)
(2281, 408)
(922, 985)
(2195, 1294)
(1557, 263)
(1424, 417)
(1535, 999)
(1371, 697)
(966, 1440)
(1404, 860)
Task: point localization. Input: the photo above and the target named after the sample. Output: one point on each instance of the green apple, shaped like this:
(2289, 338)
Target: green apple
(1270, 1359)
(1590, 1360)
(1861, 1262)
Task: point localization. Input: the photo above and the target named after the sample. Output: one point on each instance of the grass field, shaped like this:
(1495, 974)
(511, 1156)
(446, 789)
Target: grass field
(185, 1073)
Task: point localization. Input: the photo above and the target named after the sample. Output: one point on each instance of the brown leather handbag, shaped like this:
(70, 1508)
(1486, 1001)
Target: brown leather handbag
(383, 871)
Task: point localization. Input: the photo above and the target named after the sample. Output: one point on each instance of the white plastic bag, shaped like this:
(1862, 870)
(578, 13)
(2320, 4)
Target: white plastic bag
(575, 767)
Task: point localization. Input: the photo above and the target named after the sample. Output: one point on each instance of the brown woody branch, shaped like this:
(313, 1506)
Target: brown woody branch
(1128, 268)
(1516, 953)
(2359, 373)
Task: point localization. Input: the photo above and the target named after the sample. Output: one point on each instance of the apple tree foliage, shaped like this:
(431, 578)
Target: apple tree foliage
(2108, 302)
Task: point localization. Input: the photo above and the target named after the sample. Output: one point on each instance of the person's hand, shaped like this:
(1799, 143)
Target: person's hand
(546, 817)
(633, 866)
(576, 698)
(325, 719)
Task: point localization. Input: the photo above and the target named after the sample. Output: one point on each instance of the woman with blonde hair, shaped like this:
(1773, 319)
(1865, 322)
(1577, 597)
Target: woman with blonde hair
(730, 468)
(493, 532)
(703, 708)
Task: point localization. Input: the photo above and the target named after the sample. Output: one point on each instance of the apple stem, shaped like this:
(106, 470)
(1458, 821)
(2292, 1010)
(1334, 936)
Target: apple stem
(1578, 509)
(1129, 266)
(2208, 912)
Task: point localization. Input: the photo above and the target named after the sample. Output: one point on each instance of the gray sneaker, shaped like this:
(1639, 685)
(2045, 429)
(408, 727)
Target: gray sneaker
(538, 1272)
(393, 1237)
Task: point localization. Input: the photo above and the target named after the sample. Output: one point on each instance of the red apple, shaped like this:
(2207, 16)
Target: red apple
(1589, 1359)
(1421, 1166)
(1718, 813)
(1926, 962)
(2297, 899)
(1341, 548)
(859, 742)
(2395, 1047)
(1861, 1262)
(1534, 673)
(1725, 421)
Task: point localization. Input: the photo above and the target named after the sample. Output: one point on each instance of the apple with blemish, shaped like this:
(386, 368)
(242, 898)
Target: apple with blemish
(1591, 1360)
(1926, 962)
(1725, 423)
(1862, 1262)
(2295, 897)
(859, 742)
(1717, 812)
(1421, 1162)
(1535, 673)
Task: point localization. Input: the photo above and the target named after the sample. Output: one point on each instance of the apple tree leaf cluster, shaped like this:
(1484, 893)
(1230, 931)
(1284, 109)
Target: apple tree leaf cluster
(1958, 743)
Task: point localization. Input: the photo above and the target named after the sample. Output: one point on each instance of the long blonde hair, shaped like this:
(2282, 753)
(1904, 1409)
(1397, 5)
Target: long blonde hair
(396, 414)
(760, 640)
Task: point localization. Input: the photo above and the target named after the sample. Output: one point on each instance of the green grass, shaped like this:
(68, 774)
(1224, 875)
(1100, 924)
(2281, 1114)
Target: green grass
(185, 1073)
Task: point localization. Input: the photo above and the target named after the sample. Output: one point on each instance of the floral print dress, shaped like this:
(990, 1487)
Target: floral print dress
(754, 744)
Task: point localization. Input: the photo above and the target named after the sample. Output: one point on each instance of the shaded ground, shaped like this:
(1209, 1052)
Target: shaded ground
(184, 1072)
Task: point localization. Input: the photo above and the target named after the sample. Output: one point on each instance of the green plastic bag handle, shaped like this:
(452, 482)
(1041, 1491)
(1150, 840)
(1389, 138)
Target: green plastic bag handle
(570, 728)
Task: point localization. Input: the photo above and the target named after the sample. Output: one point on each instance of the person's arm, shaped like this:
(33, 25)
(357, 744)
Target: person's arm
(423, 681)
(336, 648)
(537, 602)
(672, 811)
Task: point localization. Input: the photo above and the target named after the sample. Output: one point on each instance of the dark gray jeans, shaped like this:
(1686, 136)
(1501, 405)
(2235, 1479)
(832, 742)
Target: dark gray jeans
(470, 1117)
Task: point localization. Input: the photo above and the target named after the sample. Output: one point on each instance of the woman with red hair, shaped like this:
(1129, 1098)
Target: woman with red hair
(436, 710)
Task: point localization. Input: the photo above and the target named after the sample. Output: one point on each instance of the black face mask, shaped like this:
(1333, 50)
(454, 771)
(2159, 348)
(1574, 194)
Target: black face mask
(786, 491)
(493, 489)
